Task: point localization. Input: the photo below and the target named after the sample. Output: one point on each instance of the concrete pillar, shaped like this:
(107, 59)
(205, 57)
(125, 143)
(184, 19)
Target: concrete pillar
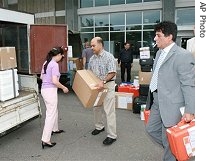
(168, 10)
(71, 14)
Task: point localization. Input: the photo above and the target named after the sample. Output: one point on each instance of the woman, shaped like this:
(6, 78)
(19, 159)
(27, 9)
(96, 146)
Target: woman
(50, 83)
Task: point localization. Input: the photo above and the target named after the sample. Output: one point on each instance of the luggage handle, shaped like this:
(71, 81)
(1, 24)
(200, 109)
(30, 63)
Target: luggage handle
(183, 122)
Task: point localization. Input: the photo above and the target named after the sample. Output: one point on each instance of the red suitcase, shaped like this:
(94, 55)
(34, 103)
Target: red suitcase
(181, 138)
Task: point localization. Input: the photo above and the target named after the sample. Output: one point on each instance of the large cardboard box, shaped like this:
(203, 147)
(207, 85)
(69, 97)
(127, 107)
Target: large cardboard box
(181, 139)
(124, 100)
(145, 77)
(7, 58)
(84, 87)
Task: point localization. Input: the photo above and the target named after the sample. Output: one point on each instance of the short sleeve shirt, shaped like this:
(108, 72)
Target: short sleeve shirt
(52, 70)
(102, 64)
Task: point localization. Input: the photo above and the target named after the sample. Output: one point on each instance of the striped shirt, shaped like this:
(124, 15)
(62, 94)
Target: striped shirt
(102, 64)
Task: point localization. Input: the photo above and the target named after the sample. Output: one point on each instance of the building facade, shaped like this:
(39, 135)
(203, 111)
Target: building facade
(116, 21)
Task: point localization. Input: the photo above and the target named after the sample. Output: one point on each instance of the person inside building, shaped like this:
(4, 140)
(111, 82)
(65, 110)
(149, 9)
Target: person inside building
(172, 86)
(125, 61)
(50, 83)
(86, 54)
(103, 65)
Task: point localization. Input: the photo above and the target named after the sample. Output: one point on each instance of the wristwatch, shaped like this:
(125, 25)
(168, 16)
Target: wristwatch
(104, 81)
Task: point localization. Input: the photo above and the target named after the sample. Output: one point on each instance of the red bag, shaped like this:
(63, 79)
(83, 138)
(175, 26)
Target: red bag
(181, 138)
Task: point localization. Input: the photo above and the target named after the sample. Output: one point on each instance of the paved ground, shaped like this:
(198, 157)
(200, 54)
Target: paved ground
(77, 143)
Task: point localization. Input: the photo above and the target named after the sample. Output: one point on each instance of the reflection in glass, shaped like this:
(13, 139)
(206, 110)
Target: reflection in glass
(86, 21)
(86, 3)
(114, 2)
(86, 37)
(148, 37)
(133, 1)
(87, 29)
(151, 16)
(116, 42)
(102, 29)
(134, 18)
(134, 38)
(101, 20)
(185, 16)
(117, 19)
(150, 0)
(136, 27)
(105, 38)
(148, 27)
(101, 3)
(117, 28)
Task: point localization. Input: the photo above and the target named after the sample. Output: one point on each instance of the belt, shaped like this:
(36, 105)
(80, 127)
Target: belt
(109, 80)
(156, 91)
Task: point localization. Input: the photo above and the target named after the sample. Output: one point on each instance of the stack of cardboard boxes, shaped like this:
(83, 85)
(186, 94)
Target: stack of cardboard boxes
(8, 74)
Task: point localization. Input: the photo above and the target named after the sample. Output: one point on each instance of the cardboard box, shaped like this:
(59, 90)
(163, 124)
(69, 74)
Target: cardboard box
(181, 139)
(145, 77)
(124, 100)
(84, 87)
(144, 53)
(7, 58)
(75, 64)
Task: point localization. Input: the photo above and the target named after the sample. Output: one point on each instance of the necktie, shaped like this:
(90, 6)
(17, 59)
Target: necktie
(153, 84)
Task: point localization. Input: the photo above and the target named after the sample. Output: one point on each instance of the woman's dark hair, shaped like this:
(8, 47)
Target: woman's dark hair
(167, 28)
(53, 52)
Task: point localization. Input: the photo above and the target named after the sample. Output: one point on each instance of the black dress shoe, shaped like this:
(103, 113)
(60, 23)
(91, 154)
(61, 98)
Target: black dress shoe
(57, 132)
(96, 132)
(108, 141)
(48, 145)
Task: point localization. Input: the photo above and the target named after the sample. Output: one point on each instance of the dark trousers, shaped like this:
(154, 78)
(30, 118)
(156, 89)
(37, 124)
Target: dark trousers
(127, 67)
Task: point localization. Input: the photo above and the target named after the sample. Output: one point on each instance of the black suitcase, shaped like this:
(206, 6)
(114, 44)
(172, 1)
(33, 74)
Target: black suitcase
(146, 68)
(137, 102)
(149, 61)
(143, 89)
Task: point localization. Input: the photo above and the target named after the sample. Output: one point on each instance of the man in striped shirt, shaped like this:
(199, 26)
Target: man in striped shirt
(103, 65)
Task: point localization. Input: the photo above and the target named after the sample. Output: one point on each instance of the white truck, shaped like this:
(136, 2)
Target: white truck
(32, 42)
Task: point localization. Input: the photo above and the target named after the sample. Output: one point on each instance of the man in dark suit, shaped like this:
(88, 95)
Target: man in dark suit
(125, 61)
(172, 86)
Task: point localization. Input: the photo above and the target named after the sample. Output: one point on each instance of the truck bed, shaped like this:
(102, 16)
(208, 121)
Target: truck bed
(15, 111)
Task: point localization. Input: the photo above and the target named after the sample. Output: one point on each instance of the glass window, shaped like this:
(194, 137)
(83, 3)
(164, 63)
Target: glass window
(185, 16)
(87, 29)
(148, 37)
(117, 19)
(105, 38)
(133, 1)
(116, 42)
(113, 2)
(86, 21)
(150, 0)
(133, 18)
(86, 3)
(101, 3)
(117, 28)
(151, 17)
(134, 27)
(101, 20)
(134, 38)
(86, 37)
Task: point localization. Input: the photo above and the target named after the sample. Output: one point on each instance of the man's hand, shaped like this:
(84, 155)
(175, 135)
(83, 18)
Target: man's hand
(188, 117)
